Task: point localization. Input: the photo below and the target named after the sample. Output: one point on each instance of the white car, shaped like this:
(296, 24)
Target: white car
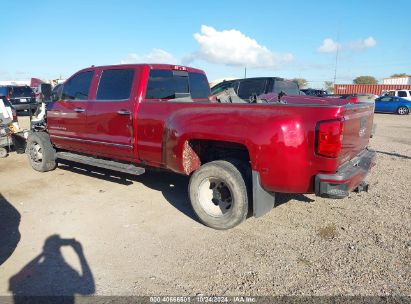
(406, 94)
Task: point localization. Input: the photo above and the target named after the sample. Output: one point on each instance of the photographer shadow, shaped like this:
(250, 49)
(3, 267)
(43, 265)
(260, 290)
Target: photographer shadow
(48, 277)
(9, 229)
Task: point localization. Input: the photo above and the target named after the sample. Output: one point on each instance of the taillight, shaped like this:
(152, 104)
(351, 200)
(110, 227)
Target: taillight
(329, 138)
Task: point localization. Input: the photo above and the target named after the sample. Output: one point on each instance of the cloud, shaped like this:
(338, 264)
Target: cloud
(155, 56)
(231, 47)
(362, 44)
(328, 46)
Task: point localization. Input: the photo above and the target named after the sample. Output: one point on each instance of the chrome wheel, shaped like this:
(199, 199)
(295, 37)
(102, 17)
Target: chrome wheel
(402, 110)
(215, 197)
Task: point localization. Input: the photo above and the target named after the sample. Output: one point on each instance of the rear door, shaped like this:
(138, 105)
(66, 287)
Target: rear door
(160, 103)
(385, 104)
(109, 128)
(67, 116)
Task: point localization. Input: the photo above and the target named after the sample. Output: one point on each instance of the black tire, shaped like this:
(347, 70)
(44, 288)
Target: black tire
(221, 184)
(41, 153)
(402, 111)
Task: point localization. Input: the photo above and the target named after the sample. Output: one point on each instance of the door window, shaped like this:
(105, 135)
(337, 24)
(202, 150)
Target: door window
(77, 88)
(115, 85)
(402, 94)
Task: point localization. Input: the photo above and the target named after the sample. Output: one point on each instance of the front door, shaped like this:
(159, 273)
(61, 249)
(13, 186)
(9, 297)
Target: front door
(384, 104)
(67, 116)
(109, 128)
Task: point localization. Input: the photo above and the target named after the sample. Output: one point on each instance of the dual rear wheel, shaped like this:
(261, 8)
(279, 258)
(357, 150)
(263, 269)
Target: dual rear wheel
(219, 195)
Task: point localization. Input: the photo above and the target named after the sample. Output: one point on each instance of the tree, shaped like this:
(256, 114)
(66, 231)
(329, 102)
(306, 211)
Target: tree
(329, 86)
(399, 75)
(365, 80)
(301, 82)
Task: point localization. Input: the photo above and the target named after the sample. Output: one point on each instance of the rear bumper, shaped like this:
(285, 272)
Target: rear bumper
(25, 106)
(347, 178)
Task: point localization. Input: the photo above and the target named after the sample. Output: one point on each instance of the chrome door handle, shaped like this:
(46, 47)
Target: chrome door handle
(79, 110)
(123, 112)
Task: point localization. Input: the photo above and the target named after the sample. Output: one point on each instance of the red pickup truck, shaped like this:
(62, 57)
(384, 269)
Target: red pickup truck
(132, 117)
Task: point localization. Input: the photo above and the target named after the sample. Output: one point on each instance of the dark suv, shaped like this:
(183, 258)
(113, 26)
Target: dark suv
(315, 92)
(21, 97)
(248, 87)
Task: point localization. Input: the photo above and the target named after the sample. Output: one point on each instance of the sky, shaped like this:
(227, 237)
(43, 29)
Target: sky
(290, 39)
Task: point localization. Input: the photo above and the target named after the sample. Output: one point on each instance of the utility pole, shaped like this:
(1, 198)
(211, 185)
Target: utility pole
(336, 56)
(245, 72)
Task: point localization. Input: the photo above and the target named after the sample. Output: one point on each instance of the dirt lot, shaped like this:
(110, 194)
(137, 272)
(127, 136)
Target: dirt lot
(138, 235)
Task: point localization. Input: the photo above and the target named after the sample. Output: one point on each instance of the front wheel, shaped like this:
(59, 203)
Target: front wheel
(402, 110)
(218, 194)
(41, 153)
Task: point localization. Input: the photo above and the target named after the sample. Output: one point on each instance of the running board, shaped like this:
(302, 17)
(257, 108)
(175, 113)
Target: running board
(101, 163)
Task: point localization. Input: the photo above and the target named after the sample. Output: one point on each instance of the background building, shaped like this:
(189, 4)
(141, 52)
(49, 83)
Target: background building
(398, 80)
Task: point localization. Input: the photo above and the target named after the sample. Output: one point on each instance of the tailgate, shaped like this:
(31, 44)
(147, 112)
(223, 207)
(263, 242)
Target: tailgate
(358, 123)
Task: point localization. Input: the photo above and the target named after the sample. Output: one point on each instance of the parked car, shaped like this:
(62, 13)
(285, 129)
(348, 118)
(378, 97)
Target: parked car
(391, 104)
(22, 98)
(406, 94)
(132, 117)
(249, 87)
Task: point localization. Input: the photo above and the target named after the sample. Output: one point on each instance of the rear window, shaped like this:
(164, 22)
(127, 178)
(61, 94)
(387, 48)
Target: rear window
(288, 87)
(168, 84)
(21, 92)
(115, 85)
(199, 87)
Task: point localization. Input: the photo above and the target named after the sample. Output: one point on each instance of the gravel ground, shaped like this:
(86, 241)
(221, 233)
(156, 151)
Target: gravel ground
(138, 235)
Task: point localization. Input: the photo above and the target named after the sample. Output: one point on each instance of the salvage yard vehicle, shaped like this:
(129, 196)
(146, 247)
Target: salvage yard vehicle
(390, 104)
(406, 94)
(8, 125)
(129, 118)
(261, 87)
(22, 98)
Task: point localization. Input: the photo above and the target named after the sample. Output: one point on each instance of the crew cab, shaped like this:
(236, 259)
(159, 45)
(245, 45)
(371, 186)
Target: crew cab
(131, 118)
